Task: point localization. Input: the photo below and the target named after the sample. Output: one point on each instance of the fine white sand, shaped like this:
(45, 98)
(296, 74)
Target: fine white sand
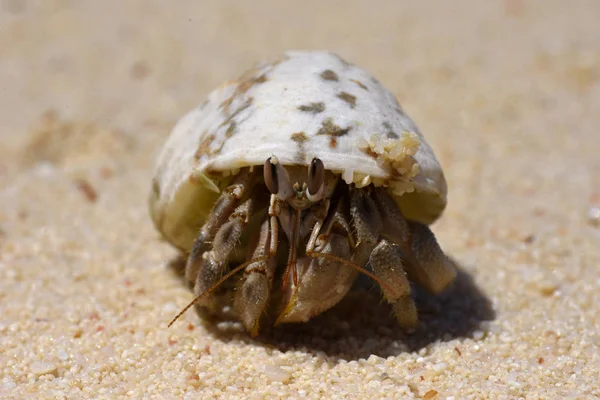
(507, 92)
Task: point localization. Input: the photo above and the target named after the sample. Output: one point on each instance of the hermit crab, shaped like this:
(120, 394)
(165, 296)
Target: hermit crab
(289, 182)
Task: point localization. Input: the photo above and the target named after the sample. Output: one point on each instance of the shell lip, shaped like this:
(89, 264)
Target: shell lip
(333, 161)
(241, 159)
(425, 196)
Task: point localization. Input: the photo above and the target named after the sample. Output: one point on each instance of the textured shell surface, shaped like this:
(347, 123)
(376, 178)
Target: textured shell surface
(305, 104)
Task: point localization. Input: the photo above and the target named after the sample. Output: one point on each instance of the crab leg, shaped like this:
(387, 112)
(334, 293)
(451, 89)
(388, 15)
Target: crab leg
(221, 212)
(434, 270)
(292, 257)
(274, 210)
(385, 261)
(387, 265)
(425, 262)
(252, 296)
(215, 261)
(367, 224)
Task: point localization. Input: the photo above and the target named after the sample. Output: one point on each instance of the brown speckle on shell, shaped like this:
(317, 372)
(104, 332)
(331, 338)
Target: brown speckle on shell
(389, 131)
(333, 142)
(243, 86)
(331, 129)
(204, 147)
(234, 114)
(300, 138)
(329, 75)
(348, 98)
(314, 108)
(246, 84)
(359, 83)
(231, 129)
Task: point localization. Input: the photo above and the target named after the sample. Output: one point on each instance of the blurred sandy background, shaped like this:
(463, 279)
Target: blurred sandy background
(507, 93)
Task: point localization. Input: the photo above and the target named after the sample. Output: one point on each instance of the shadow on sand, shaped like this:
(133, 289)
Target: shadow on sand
(362, 323)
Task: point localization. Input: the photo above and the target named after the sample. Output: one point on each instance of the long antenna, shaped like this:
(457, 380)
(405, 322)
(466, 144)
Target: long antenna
(266, 257)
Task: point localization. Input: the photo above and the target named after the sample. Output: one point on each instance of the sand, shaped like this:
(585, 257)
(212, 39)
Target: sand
(506, 92)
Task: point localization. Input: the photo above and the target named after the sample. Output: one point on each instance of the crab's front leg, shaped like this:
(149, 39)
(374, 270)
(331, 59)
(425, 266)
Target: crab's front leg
(252, 296)
(221, 212)
(216, 261)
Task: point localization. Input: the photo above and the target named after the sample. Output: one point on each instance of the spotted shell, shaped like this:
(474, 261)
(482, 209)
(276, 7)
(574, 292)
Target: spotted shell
(305, 104)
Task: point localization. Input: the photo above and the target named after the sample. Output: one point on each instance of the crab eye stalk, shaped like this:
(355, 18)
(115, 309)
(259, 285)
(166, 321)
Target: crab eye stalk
(277, 179)
(270, 176)
(316, 174)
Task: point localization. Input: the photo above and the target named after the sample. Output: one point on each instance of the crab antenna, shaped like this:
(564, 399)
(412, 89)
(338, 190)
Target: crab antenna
(352, 265)
(216, 285)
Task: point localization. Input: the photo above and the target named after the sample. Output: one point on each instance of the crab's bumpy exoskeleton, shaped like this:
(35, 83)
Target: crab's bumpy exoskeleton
(306, 165)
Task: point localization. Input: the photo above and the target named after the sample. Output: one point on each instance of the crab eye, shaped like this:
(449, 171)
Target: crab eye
(270, 176)
(316, 172)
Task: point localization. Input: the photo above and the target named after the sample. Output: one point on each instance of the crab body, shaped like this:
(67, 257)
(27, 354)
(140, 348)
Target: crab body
(297, 171)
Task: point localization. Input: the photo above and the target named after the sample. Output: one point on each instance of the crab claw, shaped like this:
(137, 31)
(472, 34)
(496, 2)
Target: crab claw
(322, 283)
